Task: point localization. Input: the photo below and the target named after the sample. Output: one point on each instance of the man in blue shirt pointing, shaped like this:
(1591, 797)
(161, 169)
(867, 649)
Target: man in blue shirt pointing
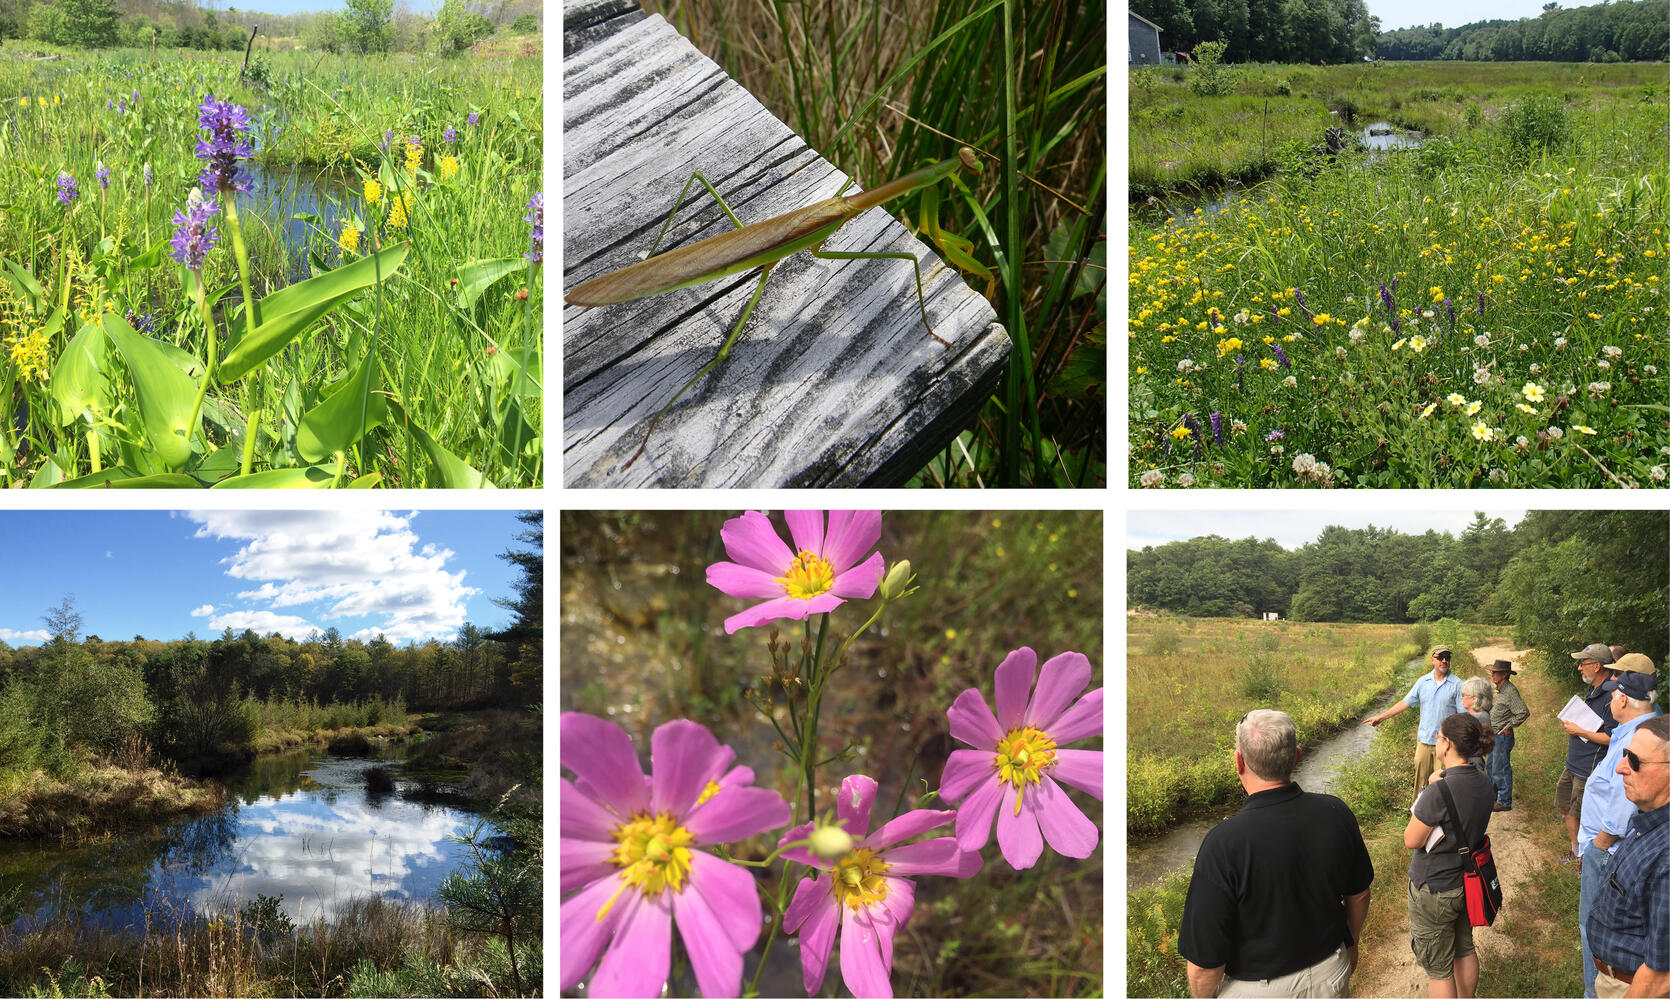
(1438, 695)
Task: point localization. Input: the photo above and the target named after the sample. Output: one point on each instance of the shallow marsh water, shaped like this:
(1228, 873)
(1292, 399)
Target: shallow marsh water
(1147, 861)
(300, 825)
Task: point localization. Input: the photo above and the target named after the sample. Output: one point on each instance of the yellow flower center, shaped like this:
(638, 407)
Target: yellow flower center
(809, 576)
(1022, 757)
(654, 854)
(858, 879)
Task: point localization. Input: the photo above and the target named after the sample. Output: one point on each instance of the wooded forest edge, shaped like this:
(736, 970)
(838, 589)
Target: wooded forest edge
(1339, 31)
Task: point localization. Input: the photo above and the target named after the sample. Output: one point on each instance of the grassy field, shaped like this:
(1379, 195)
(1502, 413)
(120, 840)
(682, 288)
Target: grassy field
(1541, 957)
(1190, 680)
(369, 317)
(1480, 311)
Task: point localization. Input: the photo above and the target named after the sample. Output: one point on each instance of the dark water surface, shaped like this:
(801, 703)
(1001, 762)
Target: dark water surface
(300, 825)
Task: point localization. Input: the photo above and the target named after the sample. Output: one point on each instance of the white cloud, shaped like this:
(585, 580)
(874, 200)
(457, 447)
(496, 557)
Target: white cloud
(342, 564)
(35, 635)
(262, 623)
(203, 611)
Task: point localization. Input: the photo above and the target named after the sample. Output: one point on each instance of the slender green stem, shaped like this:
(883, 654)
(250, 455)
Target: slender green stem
(209, 369)
(809, 742)
(253, 393)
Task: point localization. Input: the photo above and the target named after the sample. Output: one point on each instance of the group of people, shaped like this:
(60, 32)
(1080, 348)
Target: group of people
(1281, 890)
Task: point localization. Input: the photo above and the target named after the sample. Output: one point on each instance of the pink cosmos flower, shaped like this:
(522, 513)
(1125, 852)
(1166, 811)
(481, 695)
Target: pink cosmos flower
(1013, 769)
(821, 573)
(628, 852)
(867, 891)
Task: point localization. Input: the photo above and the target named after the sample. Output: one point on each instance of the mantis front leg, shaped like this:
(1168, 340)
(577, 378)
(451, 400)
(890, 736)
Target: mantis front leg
(822, 254)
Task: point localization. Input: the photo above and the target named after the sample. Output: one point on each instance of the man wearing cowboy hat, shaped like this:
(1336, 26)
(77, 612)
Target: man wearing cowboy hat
(1606, 810)
(1507, 712)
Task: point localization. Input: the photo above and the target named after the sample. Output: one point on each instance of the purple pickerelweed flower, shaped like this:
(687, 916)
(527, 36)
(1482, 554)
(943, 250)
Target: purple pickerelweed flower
(122, 106)
(473, 119)
(67, 191)
(388, 137)
(1217, 428)
(103, 176)
(224, 147)
(136, 97)
(1274, 435)
(450, 135)
(145, 323)
(536, 219)
(1281, 356)
(195, 237)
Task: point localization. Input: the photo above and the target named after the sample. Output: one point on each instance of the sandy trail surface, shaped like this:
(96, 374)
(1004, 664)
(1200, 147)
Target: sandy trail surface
(1510, 841)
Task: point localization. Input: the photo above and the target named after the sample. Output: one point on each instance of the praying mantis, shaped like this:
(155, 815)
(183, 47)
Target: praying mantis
(764, 244)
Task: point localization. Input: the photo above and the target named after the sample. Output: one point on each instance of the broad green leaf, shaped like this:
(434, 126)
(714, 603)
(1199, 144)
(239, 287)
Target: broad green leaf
(505, 366)
(335, 424)
(370, 481)
(314, 477)
(27, 287)
(290, 310)
(455, 474)
(150, 256)
(78, 380)
(165, 392)
(477, 276)
(127, 478)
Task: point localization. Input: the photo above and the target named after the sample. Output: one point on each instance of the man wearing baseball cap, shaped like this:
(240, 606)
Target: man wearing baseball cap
(1606, 811)
(1507, 712)
(1439, 696)
(1584, 748)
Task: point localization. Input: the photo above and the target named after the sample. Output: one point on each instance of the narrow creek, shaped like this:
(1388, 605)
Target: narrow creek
(1149, 860)
(303, 826)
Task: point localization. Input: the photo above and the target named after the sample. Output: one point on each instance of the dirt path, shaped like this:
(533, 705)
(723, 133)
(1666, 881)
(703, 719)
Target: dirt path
(1510, 840)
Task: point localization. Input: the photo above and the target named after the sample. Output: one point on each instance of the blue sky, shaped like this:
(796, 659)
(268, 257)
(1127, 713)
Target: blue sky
(1291, 528)
(161, 574)
(1396, 14)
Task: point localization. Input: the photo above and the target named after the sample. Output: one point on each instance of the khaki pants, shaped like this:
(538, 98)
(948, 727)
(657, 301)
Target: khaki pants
(1330, 976)
(1426, 761)
(1608, 987)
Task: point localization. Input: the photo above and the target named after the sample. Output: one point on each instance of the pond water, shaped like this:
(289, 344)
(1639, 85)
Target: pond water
(1382, 136)
(1149, 860)
(299, 825)
(279, 194)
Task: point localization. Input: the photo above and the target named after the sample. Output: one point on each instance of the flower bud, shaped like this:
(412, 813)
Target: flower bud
(830, 842)
(893, 586)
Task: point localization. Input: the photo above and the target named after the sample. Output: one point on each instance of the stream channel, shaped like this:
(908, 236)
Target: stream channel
(301, 825)
(1150, 859)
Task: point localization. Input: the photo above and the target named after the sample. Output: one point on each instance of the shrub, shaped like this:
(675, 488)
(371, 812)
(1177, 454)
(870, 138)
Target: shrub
(1210, 77)
(1421, 635)
(1164, 641)
(1535, 125)
(352, 744)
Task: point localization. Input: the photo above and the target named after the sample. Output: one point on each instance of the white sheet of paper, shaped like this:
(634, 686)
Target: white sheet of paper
(1432, 837)
(1580, 715)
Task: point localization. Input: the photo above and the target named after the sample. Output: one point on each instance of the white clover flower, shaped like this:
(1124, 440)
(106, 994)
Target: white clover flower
(1612, 353)
(1481, 376)
(1237, 427)
(1522, 444)
(1536, 369)
(1290, 382)
(1650, 369)
(1153, 479)
(1185, 480)
(1426, 313)
(1524, 347)
(1185, 366)
(1555, 433)
(1604, 365)
(1498, 475)
(1304, 464)
(1339, 352)
(1417, 322)
(1277, 450)
(1656, 473)
(1481, 341)
(1598, 389)
(1559, 343)
(1356, 336)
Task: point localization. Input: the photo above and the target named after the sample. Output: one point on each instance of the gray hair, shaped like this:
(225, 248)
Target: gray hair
(1269, 742)
(1478, 688)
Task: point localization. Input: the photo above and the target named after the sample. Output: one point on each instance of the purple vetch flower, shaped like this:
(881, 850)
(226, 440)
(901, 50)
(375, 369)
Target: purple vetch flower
(1386, 298)
(536, 220)
(450, 135)
(1281, 356)
(473, 119)
(867, 892)
(1450, 310)
(1216, 319)
(224, 147)
(1274, 435)
(1481, 305)
(1275, 313)
(1012, 770)
(102, 174)
(67, 190)
(1217, 428)
(828, 565)
(1299, 297)
(632, 864)
(194, 237)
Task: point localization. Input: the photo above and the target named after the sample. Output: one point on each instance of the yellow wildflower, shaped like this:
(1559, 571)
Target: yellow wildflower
(373, 191)
(350, 240)
(1181, 433)
(449, 167)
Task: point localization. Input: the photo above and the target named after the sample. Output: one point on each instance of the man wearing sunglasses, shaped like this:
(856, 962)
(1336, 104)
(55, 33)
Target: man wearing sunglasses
(1629, 925)
(1438, 694)
(1606, 812)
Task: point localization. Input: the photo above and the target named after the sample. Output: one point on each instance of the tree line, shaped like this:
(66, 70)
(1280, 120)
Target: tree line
(1339, 31)
(77, 698)
(1628, 31)
(362, 26)
(1558, 575)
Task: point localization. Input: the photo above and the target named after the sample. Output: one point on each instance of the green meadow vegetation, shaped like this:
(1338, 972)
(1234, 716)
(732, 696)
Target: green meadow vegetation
(1478, 311)
(369, 313)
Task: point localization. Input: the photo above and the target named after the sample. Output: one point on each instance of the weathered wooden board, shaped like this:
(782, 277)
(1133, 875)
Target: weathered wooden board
(833, 381)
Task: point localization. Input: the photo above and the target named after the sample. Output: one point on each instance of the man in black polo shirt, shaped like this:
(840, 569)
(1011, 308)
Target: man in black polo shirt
(1281, 889)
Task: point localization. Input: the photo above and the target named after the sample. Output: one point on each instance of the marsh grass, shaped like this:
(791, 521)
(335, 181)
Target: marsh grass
(452, 362)
(882, 86)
